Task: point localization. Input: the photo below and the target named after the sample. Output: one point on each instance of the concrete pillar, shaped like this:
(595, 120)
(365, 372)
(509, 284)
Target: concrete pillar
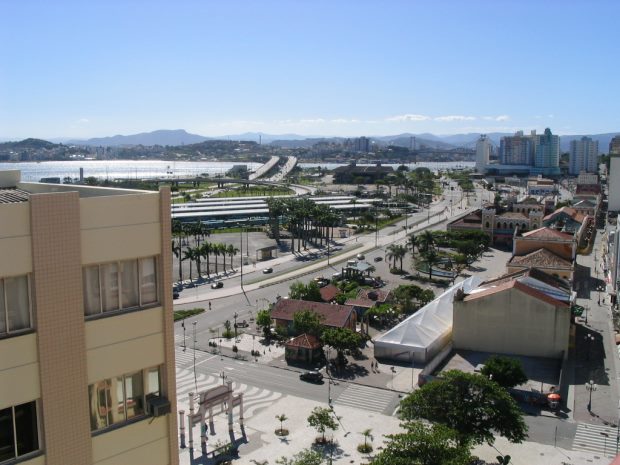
(190, 420)
(182, 428)
(241, 409)
(230, 406)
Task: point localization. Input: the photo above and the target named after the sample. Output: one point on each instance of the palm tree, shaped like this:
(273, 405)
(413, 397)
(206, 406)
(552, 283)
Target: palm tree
(231, 250)
(217, 251)
(276, 209)
(431, 258)
(412, 243)
(197, 257)
(177, 250)
(189, 254)
(281, 418)
(391, 254)
(205, 250)
(396, 252)
(426, 242)
(367, 435)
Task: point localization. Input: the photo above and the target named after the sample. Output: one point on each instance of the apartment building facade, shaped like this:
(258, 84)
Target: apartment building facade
(583, 156)
(86, 336)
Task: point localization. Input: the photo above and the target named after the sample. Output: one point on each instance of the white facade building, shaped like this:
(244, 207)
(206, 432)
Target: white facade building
(583, 156)
(483, 153)
(614, 183)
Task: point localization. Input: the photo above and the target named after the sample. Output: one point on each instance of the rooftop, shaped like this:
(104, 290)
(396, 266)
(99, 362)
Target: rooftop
(545, 233)
(12, 195)
(574, 214)
(329, 292)
(306, 341)
(331, 315)
(534, 273)
(515, 284)
(541, 258)
(513, 216)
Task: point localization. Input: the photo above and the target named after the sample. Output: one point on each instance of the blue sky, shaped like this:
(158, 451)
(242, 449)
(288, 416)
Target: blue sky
(359, 67)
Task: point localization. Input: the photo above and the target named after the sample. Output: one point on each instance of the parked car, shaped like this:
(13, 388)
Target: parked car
(243, 324)
(217, 285)
(268, 270)
(312, 376)
(378, 259)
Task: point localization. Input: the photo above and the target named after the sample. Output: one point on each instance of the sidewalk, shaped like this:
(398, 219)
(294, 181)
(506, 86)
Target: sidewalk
(596, 357)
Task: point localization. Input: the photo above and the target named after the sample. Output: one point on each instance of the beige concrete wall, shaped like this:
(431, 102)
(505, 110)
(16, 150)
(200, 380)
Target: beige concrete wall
(15, 239)
(144, 442)
(19, 370)
(165, 281)
(511, 322)
(118, 227)
(55, 229)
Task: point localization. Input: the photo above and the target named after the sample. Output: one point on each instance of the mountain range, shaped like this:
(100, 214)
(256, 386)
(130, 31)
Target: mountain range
(181, 137)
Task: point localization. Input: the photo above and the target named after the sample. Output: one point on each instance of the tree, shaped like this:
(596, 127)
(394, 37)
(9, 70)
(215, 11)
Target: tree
(263, 320)
(301, 291)
(426, 242)
(305, 457)
(431, 259)
(321, 419)
(423, 444)
(306, 321)
(471, 404)
(412, 243)
(341, 339)
(396, 252)
(505, 371)
(282, 418)
(366, 448)
(189, 254)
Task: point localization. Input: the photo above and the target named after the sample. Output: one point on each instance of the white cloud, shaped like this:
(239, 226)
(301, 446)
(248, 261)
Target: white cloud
(344, 121)
(82, 121)
(502, 118)
(408, 117)
(450, 118)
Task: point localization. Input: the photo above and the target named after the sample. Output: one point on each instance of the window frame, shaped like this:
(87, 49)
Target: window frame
(145, 396)
(5, 314)
(102, 313)
(28, 455)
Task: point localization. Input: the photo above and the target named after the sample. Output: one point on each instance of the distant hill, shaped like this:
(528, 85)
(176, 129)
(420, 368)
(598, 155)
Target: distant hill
(160, 137)
(28, 144)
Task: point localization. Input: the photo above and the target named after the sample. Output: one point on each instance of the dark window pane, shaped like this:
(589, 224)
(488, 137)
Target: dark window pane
(134, 394)
(7, 442)
(26, 428)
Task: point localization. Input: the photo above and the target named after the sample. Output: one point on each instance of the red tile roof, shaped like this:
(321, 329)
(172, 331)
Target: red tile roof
(365, 303)
(541, 258)
(329, 292)
(330, 314)
(574, 214)
(306, 341)
(377, 295)
(514, 284)
(548, 234)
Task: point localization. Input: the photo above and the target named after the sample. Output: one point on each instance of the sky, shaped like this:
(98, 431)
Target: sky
(335, 68)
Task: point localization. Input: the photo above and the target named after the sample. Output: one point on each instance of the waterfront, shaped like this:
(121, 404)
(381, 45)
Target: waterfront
(141, 169)
(120, 169)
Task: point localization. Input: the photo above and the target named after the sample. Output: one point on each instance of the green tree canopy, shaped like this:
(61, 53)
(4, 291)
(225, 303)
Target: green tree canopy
(471, 404)
(305, 457)
(263, 320)
(322, 419)
(301, 291)
(423, 444)
(306, 321)
(505, 371)
(341, 339)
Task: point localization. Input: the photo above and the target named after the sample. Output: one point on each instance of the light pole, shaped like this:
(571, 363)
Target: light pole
(235, 317)
(590, 387)
(241, 256)
(588, 338)
(183, 326)
(223, 376)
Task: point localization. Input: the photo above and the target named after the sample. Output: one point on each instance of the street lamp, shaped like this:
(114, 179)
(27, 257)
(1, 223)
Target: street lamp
(235, 317)
(590, 387)
(223, 376)
(588, 338)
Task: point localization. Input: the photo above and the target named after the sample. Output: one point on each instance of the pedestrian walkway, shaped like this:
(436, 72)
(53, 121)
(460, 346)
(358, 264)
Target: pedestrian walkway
(595, 438)
(185, 358)
(366, 398)
(254, 398)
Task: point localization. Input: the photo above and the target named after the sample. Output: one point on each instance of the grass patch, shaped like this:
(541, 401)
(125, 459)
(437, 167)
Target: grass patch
(180, 314)
(253, 191)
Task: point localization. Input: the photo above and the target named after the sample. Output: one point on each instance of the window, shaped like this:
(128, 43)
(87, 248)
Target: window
(119, 285)
(15, 311)
(117, 400)
(19, 431)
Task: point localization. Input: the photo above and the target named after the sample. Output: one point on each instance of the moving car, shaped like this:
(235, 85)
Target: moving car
(217, 285)
(243, 324)
(378, 259)
(312, 376)
(268, 270)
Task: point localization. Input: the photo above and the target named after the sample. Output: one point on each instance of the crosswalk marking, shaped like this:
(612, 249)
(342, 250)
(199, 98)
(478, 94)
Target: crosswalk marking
(254, 398)
(594, 438)
(365, 398)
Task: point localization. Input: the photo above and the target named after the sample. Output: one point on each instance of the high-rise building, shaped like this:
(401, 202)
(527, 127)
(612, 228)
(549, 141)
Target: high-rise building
(613, 198)
(483, 153)
(547, 154)
(583, 156)
(86, 338)
(516, 150)
(614, 145)
(361, 144)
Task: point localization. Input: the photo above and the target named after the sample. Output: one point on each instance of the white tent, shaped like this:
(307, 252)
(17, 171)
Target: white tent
(424, 333)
